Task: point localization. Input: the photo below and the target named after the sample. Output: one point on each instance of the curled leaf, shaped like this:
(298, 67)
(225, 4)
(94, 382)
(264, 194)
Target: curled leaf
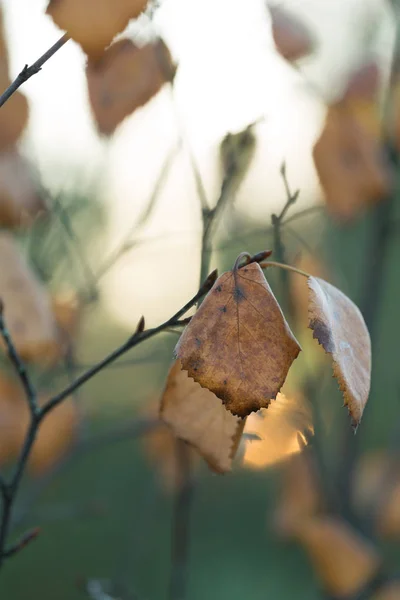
(344, 560)
(238, 344)
(197, 416)
(94, 23)
(292, 38)
(339, 327)
(125, 78)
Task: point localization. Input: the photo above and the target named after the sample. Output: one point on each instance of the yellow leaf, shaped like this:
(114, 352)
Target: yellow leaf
(344, 560)
(339, 327)
(94, 23)
(277, 429)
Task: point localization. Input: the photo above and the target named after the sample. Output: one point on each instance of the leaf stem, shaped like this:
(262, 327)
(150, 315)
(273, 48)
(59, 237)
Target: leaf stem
(273, 263)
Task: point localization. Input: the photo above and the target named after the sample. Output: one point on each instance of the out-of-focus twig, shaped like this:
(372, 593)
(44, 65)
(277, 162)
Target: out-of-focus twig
(127, 243)
(181, 524)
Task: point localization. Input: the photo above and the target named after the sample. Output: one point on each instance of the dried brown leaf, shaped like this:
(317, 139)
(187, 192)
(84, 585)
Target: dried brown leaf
(238, 344)
(292, 38)
(126, 78)
(160, 445)
(343, 559)
(197, 416)
(301, 495)
(20, 202)
(13, 119)
(339, 327)
(348, 155)
(94, 23)
(376, 492)
(27, 307)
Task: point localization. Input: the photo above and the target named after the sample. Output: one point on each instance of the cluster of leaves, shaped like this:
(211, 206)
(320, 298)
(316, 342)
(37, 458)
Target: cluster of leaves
(40, 324)
(234, 356)
(350, 155)
(236, 351)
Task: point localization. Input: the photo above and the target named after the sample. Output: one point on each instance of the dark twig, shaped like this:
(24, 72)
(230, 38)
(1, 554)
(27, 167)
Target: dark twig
(19, 366)
(10, 491)
(181, 524)
(26, 539)
(27, 72)
(279, 248)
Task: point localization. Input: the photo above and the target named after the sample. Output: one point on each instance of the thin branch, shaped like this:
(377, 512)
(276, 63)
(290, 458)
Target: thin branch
(27, 72)
(19, 366)
(279, 248)
(10, 491)
(131, 342)
(26, 539)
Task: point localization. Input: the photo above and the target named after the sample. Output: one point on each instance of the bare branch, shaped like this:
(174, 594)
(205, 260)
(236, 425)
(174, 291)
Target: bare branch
(27, 72)
(19, 366)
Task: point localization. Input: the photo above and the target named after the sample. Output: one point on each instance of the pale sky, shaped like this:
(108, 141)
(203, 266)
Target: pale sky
(229, 75)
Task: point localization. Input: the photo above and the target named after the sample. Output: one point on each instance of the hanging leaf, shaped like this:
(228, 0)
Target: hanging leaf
(20, 202)
(94, 23)
(238, 344)
(197, 416)
(343, 560)
(125, 78)
(339, 327)
(292, 38)
(161, 449)
(376, 492)
(348, 155)
(277, 430)
(301, 495)
(27, 308)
